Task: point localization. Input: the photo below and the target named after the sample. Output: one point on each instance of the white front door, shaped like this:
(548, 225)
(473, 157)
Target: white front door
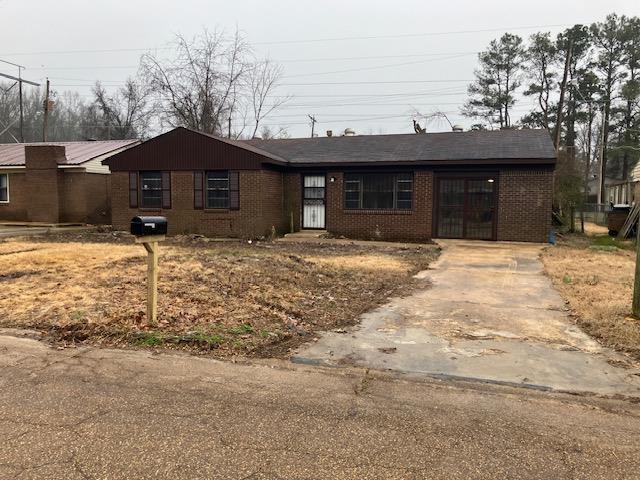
(313, 205)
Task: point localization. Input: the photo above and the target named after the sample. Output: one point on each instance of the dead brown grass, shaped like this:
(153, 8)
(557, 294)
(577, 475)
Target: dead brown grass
(227, 298)
(598, 284)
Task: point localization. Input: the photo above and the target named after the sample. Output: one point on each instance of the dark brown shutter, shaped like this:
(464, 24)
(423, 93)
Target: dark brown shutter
(234, 190)
(133, 189)
(166, 189)
(198, 199)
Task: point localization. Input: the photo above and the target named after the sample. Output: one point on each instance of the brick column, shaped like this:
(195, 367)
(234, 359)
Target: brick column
(42, 182)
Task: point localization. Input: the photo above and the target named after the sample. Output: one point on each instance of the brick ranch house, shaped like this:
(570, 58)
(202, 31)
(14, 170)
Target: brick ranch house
(489, 185)
(61, 182)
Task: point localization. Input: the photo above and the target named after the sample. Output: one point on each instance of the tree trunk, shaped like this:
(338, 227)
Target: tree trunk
(563, 88)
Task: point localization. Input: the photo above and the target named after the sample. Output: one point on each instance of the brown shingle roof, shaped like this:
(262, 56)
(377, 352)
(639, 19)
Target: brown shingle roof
(501, 146)
(77, 153)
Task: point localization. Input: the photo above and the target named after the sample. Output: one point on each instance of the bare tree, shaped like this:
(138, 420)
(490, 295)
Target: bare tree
(263, 79)
(266, 133)
(125, 113)
(212, 83)
(197, 88)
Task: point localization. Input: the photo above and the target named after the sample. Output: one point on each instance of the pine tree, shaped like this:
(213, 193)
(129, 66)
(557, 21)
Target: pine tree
(499, 76)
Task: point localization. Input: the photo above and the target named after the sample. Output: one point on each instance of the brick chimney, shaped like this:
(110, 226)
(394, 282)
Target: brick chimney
(43, 182)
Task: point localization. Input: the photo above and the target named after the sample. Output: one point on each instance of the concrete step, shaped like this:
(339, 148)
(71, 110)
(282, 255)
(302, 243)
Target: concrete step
(306, 234)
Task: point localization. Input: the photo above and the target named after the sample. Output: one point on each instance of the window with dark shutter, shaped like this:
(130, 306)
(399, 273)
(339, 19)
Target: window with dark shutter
(378, 191)
(198, 198)
(234, 190)
(166, 189)
(133, 189)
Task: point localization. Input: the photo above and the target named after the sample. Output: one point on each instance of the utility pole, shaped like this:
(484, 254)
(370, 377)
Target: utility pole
(313, 124)
(20, 81)
(21, 107)
(45, 121)
(601, 172)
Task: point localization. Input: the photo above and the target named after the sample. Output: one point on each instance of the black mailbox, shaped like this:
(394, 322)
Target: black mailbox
(148, 226)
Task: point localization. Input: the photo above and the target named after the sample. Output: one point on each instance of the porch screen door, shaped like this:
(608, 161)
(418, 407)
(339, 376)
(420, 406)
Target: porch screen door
(466, 208)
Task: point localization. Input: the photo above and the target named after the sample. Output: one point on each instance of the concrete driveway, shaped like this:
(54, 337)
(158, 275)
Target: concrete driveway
(487, 312)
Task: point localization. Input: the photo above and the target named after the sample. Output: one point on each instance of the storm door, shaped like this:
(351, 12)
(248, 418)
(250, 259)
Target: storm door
(313, 202)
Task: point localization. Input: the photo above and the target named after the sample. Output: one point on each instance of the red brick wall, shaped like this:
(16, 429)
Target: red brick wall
(292, 200)
(414, 224)
(84, 198)
(261, 193)
(267, 198)
(16, 209)
(78, 197)
(524, 205)
(272, 202)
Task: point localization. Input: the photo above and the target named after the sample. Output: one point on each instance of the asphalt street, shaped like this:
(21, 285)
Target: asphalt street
(88, 413)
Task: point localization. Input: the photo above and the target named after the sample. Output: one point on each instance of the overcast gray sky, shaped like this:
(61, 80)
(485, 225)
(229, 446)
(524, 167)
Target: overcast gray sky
(425, 51)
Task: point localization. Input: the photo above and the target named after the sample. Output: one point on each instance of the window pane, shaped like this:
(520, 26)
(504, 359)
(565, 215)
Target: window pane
(151, 188)
(377, 191)
(217, 202)
(353, 196)
(352, 185)
(217, 186)
(214, 184)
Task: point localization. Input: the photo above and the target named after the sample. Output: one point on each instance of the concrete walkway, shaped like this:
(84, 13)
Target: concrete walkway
(491, 315)
(11, 230)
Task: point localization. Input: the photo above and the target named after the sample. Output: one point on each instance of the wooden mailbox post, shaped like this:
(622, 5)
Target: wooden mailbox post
(150, 243)
(149, 231)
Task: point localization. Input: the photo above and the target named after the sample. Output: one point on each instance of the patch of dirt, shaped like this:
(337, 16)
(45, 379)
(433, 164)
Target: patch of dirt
(221, 298)
(598, 288)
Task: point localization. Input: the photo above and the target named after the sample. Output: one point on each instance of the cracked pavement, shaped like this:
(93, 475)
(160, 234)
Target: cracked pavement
(85, 413)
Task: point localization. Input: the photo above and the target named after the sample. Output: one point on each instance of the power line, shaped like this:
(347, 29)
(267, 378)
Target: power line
(309, 40)
(386, 82)
(371, 57)
(407, 35)
(326, 83)
(360, 69)
(439, 58)
(84, 67)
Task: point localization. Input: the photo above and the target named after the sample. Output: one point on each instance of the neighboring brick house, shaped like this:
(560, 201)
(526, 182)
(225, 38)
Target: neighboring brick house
(491, 185)
(61, 182)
